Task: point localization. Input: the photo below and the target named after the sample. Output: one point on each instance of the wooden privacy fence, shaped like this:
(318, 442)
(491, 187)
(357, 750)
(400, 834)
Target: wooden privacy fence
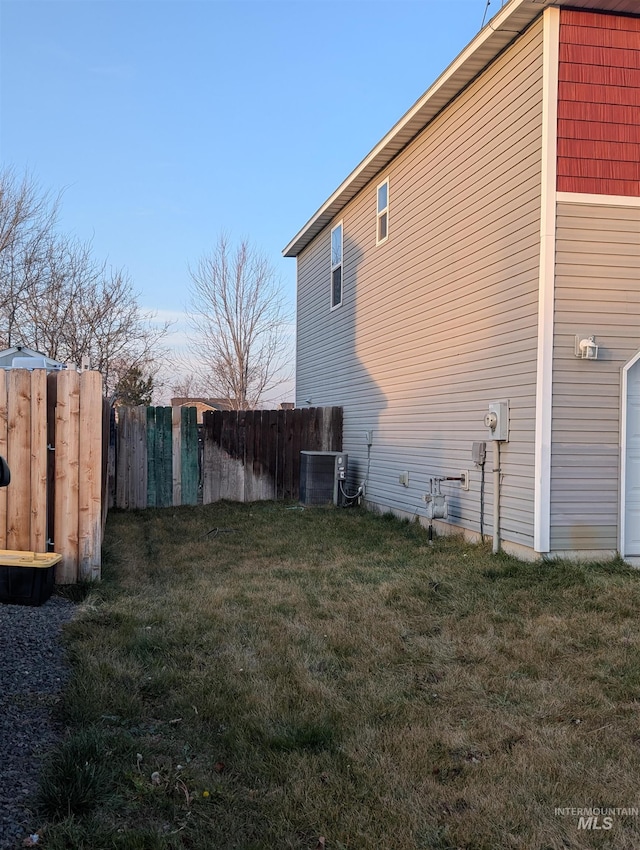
(164, 458)
(51, 430)
(251, 455)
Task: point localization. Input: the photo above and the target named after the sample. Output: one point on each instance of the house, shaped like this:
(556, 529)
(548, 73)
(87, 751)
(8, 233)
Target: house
(20, 357)
(481, 267)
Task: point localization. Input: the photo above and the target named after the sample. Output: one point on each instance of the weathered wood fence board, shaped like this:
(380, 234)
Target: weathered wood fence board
(156, 454)
(188, 457)
(38, 532)
(67, 474)
(246, 455)
(176, 432)
(255, 455)
(131, 458)
(90, 470)
(51, 434)
(159, 457)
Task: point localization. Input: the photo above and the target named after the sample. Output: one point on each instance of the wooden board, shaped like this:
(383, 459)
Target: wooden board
(38, 529)
(162, 457)
(19, 459)
(167, 459)
(108, 458)
(52, 396)
(90, 476)
(152, 466)
(211, 427)
(3, 452)
(66, 483)
(176, 446)
(188, 455)
(140, 465)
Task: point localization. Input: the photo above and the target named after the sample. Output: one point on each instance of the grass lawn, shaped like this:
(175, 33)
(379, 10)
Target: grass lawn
(262, 676)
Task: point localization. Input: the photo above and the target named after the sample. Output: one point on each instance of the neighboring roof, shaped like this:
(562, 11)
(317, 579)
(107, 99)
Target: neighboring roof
(7, 355)
(211, 403)
(502, 29)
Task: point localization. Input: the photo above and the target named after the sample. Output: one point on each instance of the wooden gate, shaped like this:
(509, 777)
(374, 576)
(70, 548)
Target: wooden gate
(156, 457)
(51, 434)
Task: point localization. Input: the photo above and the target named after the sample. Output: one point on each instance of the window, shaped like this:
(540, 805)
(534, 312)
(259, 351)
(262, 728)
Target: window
(382, 224)
(336, 266)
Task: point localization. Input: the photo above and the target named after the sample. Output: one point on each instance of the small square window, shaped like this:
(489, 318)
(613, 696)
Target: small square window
(382, 220)
(336, 266)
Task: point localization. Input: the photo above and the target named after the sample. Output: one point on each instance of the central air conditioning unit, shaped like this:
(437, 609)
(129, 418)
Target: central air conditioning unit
(321, 474)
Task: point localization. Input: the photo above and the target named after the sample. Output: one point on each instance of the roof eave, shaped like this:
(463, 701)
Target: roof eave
(501, 30)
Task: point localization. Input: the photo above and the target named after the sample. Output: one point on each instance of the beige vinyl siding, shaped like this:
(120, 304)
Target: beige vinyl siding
(597, 292)
(441, 319)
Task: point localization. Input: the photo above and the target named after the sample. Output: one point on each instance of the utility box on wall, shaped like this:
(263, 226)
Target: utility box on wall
(497, 420)
(321, 477)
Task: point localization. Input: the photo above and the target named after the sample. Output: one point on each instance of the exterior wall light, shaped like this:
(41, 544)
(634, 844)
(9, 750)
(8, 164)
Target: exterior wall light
(586, 348)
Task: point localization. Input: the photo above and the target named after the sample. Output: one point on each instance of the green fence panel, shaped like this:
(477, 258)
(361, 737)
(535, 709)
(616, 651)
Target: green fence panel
(152, 489)
(189, 465)
(165, 458)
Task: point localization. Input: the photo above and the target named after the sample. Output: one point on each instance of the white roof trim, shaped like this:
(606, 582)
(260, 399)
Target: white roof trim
(501, 30)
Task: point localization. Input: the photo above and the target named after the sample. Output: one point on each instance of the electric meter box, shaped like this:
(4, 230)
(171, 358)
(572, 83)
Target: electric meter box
(479, 453)
(497, 420)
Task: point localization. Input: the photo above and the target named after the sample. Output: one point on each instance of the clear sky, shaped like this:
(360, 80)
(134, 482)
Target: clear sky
(166, 122)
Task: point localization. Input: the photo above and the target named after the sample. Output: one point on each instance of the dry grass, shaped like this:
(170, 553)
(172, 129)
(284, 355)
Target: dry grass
(321, 673)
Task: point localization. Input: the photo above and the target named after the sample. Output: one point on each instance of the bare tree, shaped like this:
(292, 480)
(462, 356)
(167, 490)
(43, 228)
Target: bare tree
(188, 385)
(27, 219)
(57, 298)
(239, 316)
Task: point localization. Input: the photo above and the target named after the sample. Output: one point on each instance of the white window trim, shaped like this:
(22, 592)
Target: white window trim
(334, 267)
(380, 213)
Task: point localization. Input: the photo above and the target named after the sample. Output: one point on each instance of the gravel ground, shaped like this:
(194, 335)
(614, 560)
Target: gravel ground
(32, 673)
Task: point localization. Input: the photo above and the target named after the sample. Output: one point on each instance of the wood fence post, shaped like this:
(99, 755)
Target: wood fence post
(38, 530)
(52, 397)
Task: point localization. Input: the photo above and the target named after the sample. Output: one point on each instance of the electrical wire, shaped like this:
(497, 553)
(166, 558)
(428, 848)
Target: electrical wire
(486, 9)
(360, 490)
(482, 503)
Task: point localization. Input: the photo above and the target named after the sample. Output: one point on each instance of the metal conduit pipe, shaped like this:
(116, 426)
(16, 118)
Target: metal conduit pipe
(496, 496)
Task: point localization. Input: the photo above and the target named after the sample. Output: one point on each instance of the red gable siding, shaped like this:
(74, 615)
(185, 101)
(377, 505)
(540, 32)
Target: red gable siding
(599, 104)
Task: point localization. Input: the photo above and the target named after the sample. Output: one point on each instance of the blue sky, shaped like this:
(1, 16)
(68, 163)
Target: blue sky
(166, 122)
